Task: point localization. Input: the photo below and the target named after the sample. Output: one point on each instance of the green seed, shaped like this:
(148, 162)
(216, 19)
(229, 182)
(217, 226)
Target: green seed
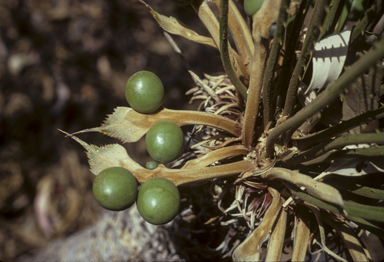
(115, 188)
(151, 165)
(252, 6)
(158, 201)
(144, 92)
(272, 31)
(164, 141)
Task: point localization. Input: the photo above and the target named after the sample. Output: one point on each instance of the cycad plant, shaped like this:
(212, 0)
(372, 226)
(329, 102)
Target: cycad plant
(289, 140)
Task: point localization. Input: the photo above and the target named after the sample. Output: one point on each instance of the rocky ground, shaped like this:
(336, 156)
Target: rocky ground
(64, 65)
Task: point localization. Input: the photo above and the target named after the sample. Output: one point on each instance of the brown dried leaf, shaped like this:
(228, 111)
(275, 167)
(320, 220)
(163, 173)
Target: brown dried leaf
(116, 155)
(301, 237)
(110, 155)
(316, 212)
(208, 18)
(172, 26)
(129, 126)
(351, 241)
(262, 20)
(211, 220)
(315, 188)
(249, 249)
(216, 155)
(240, 33)
(257, 172)
(275, 245)
(210, 21)
(201, 83)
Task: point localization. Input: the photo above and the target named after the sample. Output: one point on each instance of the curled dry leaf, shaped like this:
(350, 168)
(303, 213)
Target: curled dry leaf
(275, 245)
(113, 155)
(240, 32)
(266, 16)
(208, 18)
(216, 155)
(316, 212)
(261, 22)
(257, 172)
(351, 241)
(201, 83)
(301, 235)
(172, 26)
(315, 188)
(249, 249)
(129, 126)
(210, 21)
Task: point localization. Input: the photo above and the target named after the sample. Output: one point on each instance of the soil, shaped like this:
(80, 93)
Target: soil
(64, 66)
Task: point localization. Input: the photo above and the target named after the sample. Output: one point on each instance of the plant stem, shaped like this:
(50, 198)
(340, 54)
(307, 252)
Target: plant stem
(224, 50)
(356, 189)
(364, 211)
(332, 17)
(334, 144)
(343, 16)
(129, 125)
(306, 52)
(368, 152)
(240, 33)
(292, 36)
(272, 60)
(379, 232)
(352, 209)
(328, 96)
(370, 16)
(305, 142)
(190, 176)
(262, 20)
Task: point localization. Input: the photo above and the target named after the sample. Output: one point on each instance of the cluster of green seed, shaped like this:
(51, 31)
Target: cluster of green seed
(115, 188)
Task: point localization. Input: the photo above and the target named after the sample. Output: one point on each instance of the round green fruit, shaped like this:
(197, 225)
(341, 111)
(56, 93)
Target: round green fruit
(151, 165)
(144, 92)
(272, 30)
(252, 6)
(115, 188)
(164, 141)
(158, 201)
